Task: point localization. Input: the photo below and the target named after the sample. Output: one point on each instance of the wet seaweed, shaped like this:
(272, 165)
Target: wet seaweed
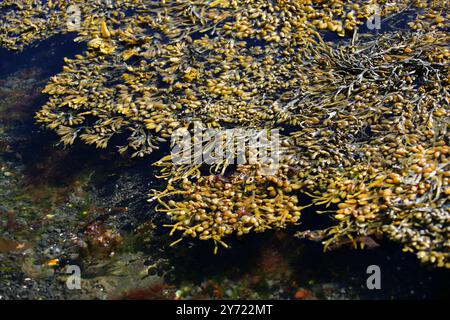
(366, 117)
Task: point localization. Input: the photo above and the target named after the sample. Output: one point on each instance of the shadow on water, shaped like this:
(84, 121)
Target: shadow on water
(48, 53)
(30, 143)
(402, 277)
(45, 160)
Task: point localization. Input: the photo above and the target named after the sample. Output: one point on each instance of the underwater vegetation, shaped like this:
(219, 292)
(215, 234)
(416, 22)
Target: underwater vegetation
(364, 118)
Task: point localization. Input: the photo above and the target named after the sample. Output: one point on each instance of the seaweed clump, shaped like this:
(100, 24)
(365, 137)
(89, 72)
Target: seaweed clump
(214, 206)
(366, 117)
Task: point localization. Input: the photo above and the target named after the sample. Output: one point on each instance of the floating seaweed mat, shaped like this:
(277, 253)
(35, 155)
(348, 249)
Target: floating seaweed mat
(367, 117)
(369, 140)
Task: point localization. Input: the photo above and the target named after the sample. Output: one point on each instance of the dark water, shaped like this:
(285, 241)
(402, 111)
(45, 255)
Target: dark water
(59, 202)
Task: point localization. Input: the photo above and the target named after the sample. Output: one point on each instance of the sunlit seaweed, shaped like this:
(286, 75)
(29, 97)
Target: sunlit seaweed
(367, 116)
(214, 206)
